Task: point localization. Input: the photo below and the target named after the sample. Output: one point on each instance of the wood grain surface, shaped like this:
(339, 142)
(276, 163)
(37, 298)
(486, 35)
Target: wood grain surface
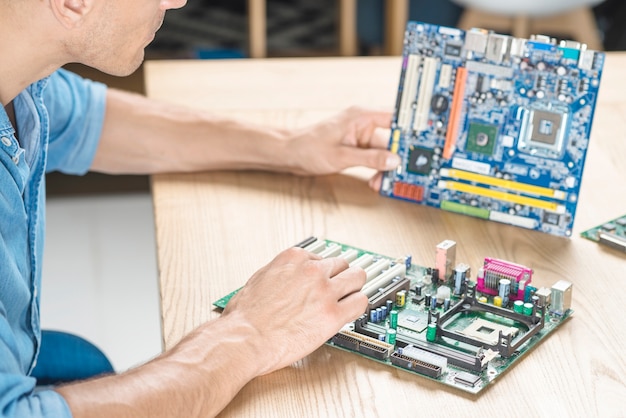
(215, 229)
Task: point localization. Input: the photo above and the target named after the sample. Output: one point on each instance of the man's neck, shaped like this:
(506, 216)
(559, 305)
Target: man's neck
(26, 56)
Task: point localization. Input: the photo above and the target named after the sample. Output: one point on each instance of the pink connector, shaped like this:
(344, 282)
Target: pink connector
(494, 270)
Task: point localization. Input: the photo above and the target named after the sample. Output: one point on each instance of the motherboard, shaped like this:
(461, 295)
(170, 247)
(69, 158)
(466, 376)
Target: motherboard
(493, 126)
(443, 322)
(611, 233)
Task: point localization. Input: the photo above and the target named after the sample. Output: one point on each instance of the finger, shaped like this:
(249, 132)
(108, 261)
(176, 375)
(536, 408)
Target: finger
(376, 181)
(380, 160)
(352, 306)
(379, 119)
(348, 282)
(332, 266)
(380, 138)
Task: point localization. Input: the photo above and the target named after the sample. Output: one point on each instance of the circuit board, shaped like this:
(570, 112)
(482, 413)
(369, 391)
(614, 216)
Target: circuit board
(612, 233)
(439, 323)
(493, 126)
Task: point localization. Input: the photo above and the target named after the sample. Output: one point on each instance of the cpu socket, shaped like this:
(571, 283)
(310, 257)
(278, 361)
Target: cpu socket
(543, 132)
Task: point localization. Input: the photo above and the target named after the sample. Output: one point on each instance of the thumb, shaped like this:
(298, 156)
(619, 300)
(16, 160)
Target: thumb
(380, 160)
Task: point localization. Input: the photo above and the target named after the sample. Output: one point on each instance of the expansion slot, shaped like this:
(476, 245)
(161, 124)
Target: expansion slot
(507, 197)
(455, 113)
(505, 184)
(425, 95)
(379, 299)
(408, 90)
(363, 261)
(332, 250)
(371, 288)
(374, 270)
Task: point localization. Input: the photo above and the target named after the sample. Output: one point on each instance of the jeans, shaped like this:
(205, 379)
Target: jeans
(66, 358)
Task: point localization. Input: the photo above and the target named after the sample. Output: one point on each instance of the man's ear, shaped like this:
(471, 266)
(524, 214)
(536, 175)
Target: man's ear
(70, 13)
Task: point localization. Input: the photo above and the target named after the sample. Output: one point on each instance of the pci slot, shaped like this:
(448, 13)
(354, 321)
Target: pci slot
(425, 95)
(350, 255)
(379, 299)
(504, 196)
(363, 261)
(333, 250)
(408, 91)
(316, 246)
(455, 113)
(375, 269)
(505, 184)
(415, 365)
(382, 280)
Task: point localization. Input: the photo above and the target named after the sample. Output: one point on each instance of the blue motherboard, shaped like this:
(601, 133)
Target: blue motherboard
(493, 126)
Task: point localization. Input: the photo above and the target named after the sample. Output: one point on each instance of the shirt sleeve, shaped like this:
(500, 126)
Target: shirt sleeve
(17, 391)
(76, 108)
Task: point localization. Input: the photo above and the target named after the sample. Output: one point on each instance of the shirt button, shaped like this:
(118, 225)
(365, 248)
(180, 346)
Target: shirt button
(6, 141)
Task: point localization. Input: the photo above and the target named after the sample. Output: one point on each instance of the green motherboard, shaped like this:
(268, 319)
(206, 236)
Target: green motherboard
(612, 233)
(441, 322)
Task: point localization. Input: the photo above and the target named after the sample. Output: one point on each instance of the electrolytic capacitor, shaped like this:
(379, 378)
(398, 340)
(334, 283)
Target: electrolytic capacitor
(389, 305)
(418, 289)
(528, 308)
(393, 319)
(373, 316)
(431, 332)
(379, 314)
(504, 288)
(427, 298)
(518, 306)
(383, 313)
(391, 336)
(446, 304)
(433, 303)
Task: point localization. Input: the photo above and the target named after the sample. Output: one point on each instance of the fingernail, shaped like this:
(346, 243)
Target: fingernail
(392, 162)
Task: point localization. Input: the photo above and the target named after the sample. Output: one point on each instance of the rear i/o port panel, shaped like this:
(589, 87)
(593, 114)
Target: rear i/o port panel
(611, 233)
(493, 126)
(442, 322)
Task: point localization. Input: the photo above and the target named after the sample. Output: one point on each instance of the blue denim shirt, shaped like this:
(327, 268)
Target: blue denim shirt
(59, 122)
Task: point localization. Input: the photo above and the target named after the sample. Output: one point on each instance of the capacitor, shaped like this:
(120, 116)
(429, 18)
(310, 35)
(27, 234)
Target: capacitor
(427, 298)
(497, 301)
(518, 306)
(504, 289)
(433, 303)
(383, 313)
(483, 299)
(431, 332)
(418, 289)
(446, 304)
(373, 317)
(389, 305)
(393, 319)
(391, 336)
(379, 314)
(528, 309)
(381, 337)
(401, 298)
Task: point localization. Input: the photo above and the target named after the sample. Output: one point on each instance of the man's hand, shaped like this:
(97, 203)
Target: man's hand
(296, 303)
(354, 137)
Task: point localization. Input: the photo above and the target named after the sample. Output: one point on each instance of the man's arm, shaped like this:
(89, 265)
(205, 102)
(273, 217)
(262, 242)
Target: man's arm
(144, 136)
(200, 375)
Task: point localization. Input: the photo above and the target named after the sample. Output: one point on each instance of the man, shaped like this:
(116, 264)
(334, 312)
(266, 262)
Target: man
(53, 120)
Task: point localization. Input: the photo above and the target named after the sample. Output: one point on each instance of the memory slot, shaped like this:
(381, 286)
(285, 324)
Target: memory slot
(505, 184)
(408, 91)
(427, 83)
(504, 196)
(491, 215)
(382, 280)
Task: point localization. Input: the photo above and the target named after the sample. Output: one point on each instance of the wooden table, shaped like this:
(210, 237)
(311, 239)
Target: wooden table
(215, 229)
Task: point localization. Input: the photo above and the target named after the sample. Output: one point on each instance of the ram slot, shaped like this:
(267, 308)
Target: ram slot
(408, 91)
(382, 280)
(425, 95)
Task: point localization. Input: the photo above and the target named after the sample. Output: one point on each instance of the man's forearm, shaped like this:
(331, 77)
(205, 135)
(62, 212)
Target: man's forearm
(144, 136)
(196, 378)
